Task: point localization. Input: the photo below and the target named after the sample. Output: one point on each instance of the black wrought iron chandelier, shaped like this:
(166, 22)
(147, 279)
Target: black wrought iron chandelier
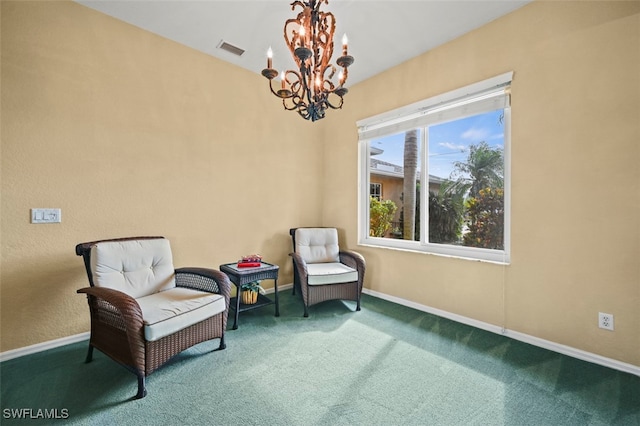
(310, 90)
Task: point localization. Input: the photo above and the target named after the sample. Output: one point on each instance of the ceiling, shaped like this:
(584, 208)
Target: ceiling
(381, 34)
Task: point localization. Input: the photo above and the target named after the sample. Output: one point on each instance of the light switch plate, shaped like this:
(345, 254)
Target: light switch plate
(46, 216)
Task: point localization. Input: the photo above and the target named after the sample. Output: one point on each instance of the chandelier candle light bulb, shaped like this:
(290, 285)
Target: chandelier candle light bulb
(311, 85)
(302, 36)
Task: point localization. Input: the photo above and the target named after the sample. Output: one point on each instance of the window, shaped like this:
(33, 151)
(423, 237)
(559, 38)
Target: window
(375, 190)
(444, 163)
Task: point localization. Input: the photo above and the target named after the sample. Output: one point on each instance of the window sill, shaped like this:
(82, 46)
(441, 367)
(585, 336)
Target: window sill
(421, 249)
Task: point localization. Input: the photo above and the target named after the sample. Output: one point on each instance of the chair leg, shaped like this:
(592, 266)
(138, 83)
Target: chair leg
(306, 311)
(295, 279)
(89, 354)
(223, 345)
(142, 390)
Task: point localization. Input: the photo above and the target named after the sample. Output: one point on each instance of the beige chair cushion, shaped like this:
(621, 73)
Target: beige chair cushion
(330, 273)
(169, 311)
(136, 267)
(318, 245)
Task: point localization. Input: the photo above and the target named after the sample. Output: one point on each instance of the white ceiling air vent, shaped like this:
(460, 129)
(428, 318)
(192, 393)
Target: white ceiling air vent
(230, 48)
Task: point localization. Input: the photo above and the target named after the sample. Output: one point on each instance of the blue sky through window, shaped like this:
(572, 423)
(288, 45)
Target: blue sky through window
(448, 142)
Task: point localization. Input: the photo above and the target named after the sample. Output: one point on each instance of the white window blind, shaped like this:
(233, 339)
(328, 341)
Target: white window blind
(474, 99)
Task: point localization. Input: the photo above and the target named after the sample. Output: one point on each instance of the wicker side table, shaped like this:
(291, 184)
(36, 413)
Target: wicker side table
(241, 276)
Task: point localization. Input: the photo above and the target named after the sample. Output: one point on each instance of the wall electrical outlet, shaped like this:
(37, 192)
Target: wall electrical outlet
(46, 216)
(605, 321)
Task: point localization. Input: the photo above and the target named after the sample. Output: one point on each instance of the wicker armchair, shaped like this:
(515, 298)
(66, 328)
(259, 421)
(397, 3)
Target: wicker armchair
(143, 312)
(322, 271)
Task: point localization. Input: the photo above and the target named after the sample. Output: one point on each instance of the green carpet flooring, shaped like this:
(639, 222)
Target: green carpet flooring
(385, 365)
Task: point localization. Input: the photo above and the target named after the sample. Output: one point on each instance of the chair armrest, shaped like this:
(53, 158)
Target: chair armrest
(204, 279)
(121, 311)
(124, 304)
(353, 259)
(301, 266)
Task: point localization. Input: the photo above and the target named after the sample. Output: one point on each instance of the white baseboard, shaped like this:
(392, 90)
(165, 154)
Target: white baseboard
(532, 340)
(39, 347)
(280, 288)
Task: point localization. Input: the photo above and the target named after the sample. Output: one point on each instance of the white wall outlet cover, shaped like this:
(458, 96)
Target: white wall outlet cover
(605, 321)
(46, 216)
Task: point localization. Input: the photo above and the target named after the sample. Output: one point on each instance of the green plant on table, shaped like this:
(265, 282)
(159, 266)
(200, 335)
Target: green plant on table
(253, 286)
(250, 292)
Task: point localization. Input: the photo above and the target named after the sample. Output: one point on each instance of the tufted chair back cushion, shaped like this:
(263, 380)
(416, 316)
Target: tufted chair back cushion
(136, 267)
(318, 245)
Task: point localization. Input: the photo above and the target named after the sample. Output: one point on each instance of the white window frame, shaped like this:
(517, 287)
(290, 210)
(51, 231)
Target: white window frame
(452, 105)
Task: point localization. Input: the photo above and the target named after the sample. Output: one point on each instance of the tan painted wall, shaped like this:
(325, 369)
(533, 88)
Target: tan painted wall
(131, 134)
(576, 181)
